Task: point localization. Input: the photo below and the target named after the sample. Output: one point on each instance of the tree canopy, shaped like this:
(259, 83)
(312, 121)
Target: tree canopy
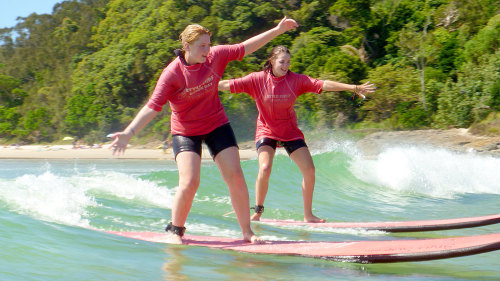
(86, 68)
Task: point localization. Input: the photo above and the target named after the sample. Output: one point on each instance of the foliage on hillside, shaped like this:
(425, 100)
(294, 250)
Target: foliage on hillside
(86, 69)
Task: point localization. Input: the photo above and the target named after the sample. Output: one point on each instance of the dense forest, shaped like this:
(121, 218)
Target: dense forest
(87, 68)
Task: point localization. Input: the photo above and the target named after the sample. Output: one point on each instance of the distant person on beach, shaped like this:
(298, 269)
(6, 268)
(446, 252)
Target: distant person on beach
(189, 84)
(275, 90)
(164, 147)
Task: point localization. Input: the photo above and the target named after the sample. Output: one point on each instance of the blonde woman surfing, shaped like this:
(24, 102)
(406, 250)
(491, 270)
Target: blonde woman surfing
(189, 83)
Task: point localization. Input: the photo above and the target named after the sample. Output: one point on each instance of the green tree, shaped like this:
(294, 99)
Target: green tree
(87, 67)
(477, 91)
(10, 94)
(416, 45)
(311, 50)
(395, 86)
(9, 118)
(37, 123)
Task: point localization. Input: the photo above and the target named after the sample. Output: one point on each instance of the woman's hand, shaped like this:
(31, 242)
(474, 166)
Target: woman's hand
(364, 89)
(120, 142)
(121, 139)
(256, 42)
(286, 24)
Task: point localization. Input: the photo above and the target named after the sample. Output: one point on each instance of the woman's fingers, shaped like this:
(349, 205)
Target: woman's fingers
(368, 87)
(287, 24)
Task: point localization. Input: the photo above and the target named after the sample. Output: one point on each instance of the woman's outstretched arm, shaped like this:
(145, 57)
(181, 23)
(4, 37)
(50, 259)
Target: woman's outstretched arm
(256, 42)
(121, 139)
(357, 89)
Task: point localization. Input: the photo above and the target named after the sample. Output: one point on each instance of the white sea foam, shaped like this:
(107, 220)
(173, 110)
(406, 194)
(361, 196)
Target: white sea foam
(205, 229)
(215, 198)
(48, 197)
(66, 199)
(210, 230)
(126, 187)
(348, 231)
(430, 171)
(337, 144)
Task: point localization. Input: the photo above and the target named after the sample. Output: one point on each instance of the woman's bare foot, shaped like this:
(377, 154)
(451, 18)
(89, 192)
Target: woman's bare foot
(313, 218)
(256, 217)
(172, 238)
(252, 238)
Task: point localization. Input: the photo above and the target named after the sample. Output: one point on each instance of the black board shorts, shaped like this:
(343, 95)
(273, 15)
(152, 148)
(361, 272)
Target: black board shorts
(216, 141)
(290, 146)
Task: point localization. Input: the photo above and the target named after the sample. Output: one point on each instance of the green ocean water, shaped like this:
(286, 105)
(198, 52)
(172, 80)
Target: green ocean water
(48, 209)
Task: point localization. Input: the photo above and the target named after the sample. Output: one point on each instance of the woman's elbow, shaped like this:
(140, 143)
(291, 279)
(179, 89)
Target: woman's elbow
(224, 85)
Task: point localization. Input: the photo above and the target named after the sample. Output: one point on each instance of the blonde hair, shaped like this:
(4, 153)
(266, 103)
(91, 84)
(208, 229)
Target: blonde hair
(192, 32)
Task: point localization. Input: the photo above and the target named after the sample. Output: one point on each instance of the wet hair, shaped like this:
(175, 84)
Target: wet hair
(191, 33)
(274, 53)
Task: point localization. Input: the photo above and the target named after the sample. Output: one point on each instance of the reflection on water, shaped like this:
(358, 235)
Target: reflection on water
(174, 263)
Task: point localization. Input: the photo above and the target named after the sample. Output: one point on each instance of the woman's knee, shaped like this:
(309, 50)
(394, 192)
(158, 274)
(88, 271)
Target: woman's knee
(309, 171)
(265, 169)
(234, 175)
(189, 184)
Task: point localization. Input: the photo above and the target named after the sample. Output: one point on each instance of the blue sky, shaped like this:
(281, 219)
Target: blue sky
(11, 9)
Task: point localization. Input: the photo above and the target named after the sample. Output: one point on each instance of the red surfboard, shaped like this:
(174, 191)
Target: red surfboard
(356, 251)
(399, 226)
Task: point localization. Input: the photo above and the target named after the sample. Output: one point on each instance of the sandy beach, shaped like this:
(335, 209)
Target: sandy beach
(459, 140)
(67, 152)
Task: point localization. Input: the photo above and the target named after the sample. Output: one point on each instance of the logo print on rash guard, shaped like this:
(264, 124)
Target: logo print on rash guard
(285, 97)
(199, 90)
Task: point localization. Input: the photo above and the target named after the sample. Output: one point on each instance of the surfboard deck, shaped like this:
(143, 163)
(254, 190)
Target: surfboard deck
(397, 226)
(355, 251)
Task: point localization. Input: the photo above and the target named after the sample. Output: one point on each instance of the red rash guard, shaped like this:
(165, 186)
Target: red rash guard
(275, 97)
(192, 92)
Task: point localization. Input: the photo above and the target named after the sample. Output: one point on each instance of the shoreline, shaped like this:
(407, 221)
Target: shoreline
(457, 140)
(67, 152)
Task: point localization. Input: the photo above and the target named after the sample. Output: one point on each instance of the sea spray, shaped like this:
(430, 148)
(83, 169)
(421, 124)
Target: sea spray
(47, 197)
(67, 199)
(430, 171)
(126, 187)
